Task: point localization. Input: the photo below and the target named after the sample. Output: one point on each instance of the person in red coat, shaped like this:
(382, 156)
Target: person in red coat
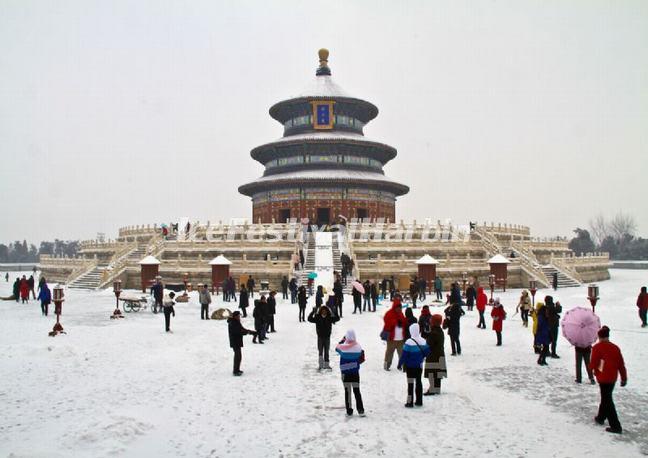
(394, 327)
(607, 363)
(642, 304)
(24, 290)
(482, 300)
(499, 315)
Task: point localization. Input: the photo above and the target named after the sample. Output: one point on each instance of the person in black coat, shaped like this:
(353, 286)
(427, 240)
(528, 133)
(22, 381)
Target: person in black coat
(414, 290)
(272, 310)
(471, 297)
(339, 297)
(357, 300)
(293, 290)
(236, 333)
(453, 314)
(455, 294)
(553, 319)
(284, 287)
(554, 280)
(323, 320)
(250, 286)
(319, 296)
(302, 300)
(16, 290)
(374, 296)
(244, 301)
(260, 323)
(411, 319)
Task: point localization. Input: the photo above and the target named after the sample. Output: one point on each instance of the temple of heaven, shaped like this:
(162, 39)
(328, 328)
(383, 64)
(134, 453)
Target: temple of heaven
(323, 168)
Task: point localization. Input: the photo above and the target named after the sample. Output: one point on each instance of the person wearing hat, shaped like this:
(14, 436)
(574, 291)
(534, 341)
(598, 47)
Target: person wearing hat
(272, 311)
(394, 324)
(157, 291)
(351, 356)
(524, 307)
(415, 350)
(323, 320)
(498, 314)
(541, 336)
(167, 305)
(435, 363)
(236, 332)
(607, 364)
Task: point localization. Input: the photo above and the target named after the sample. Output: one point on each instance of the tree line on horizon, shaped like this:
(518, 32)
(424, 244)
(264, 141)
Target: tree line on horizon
(17, 251)
(616, 235)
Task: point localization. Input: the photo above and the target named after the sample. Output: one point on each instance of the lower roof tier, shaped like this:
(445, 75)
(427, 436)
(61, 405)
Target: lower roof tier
(327, 177)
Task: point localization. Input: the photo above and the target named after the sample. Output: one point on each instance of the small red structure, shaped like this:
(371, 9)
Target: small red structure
(498, 267)
(427, 269)
(220, 271)
(150, 269)
(117, 290)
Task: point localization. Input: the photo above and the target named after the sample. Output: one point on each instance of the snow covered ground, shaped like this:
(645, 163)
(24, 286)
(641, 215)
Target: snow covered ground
(126, 388)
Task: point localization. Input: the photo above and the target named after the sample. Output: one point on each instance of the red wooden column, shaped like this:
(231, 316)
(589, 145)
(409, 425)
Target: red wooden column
(220, 266)
(150, 268)
(427, 269)
(499, 268)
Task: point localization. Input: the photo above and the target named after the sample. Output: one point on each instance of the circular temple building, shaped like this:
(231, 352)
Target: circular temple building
(323, 167)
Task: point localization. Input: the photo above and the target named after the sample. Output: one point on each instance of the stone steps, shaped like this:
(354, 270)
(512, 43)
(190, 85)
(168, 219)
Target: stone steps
(564, 281)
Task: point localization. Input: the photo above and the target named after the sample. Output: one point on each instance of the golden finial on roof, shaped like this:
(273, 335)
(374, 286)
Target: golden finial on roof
(323, 60)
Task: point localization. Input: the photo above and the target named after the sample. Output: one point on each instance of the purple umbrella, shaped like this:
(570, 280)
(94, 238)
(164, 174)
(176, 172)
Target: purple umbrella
(580, 327)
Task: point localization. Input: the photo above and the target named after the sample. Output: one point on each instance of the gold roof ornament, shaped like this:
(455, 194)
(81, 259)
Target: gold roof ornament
(323, 60)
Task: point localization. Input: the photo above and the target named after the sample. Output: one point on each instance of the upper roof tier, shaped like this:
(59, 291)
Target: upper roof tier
(323, 88)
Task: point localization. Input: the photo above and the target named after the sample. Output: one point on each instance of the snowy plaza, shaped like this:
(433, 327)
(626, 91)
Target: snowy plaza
(126, 388)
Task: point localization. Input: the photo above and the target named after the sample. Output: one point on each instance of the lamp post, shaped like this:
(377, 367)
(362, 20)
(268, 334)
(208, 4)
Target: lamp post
(593, 295)
(464, 280)
(58, 305)
(185, 280)
(491, 282)
(533, 289)
(117, 290)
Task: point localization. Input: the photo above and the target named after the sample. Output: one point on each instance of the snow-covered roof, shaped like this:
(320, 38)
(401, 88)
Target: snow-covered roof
(427, 260)
(329, 135)
(498, 259)
(322, 86)
(328, 175)
(149, 261)
(220, 260)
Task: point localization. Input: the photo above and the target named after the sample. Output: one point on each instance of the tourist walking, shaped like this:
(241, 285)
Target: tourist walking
(260, 321)
(16, 290)
(319, 296)
(236, 332)
(394, 324)
(542, 334)
(642, 304)
(554, 281)
(455, 294)
(339, 296)
(424, 321)
(167, 305)
(204, 297)
(250, 286)
(374, 296)
(357, 300)
(583, 356)
(482, 300)
(157, 291)
(293, 290)
(31, 284)
(453, 314)
(383, 287)
(438, 288)
(411, 319)
(302, 299)
(524, 307)
(323, 320)
(413, 290)
(435, 363)
(272, 311)
(367, 296)
(7, 277)
(24, 290)
(422, 288)
(471, 297)
(607, 364)
(45, 297)
(284, 287)
(553, 318)
(244, 300)
(415, 350)
(351, 356)
(498, 315)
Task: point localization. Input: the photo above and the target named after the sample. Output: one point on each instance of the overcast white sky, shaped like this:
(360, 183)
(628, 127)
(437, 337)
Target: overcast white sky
(118, 112)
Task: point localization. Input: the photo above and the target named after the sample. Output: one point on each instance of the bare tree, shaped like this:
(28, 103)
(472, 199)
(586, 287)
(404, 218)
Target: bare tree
(599, 228)
(622, 225)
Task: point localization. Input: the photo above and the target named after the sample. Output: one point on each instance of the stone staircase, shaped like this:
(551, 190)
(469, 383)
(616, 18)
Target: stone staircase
(564, 280)
(309, 259)
(337, 263)
(88, 281)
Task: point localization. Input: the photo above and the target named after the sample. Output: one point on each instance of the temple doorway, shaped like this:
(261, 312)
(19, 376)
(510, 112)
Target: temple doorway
(361, 213)
(284, 215)
(323, 216)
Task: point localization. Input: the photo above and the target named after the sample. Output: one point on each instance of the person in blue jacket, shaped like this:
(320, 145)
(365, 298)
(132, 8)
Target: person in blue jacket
(414, 352)
(351, 356)
(45, 297)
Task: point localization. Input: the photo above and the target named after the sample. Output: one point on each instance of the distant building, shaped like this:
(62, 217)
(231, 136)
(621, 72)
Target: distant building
(323, 167)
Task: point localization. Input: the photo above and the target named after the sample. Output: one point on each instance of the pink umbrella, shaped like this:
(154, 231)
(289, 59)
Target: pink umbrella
(357, 285)
(580, 327)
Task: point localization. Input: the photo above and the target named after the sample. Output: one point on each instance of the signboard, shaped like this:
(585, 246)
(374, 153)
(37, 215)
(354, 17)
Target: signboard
(323, 114)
